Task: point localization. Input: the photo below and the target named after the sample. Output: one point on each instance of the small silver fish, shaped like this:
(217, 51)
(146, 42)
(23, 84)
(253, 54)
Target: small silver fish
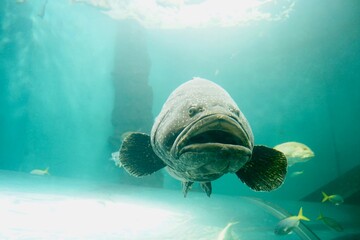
(286, 225)
(40, 172)
(295, 152)
(335, 198)
(330, 222)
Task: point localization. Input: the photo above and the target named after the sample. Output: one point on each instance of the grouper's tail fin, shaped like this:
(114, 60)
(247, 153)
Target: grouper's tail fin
(265, 171)
(137, 156)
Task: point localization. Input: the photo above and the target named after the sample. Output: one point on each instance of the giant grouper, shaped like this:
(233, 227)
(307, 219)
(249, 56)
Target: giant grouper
(200, 135)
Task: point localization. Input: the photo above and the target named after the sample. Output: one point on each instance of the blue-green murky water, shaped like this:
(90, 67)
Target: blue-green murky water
(75, 77)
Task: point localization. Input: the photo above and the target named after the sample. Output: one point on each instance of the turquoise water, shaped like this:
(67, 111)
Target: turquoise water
(75, 77)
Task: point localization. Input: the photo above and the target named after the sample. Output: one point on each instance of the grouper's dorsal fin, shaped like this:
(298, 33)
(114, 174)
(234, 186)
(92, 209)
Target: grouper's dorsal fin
(137, 156)
(265, 171)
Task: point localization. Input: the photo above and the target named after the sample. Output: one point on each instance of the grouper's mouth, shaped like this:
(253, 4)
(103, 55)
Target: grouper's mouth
(212, 133)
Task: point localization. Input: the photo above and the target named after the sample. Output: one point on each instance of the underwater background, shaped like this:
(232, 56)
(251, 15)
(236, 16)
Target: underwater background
(76, 76)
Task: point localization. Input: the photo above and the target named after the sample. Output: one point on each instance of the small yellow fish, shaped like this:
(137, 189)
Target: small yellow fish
(330, 222)
(286, 225)
(335, 198)
(40, 172)
(295, 152)
(226, 233)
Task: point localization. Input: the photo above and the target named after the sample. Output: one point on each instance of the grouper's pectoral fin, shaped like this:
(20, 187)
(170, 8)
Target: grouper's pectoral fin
(265, 171)
(137, 156)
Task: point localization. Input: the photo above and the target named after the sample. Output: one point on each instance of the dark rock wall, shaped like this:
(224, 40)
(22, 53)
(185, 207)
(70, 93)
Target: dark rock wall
(133, 96)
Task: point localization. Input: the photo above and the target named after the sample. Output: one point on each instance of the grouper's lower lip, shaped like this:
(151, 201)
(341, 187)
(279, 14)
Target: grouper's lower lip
(212, 133)
(214, 147)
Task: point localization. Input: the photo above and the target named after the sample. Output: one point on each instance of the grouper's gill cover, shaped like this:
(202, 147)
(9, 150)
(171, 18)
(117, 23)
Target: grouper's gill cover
(200, 135)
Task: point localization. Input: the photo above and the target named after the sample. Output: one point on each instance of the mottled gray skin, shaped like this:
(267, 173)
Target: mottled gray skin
(200, 135)
(195, 107)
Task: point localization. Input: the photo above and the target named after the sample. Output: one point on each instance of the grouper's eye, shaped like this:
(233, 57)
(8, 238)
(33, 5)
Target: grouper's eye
(193, 110)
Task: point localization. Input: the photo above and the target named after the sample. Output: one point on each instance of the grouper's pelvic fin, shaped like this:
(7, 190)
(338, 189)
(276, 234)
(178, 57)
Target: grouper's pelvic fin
(137, 156)
(186, 186)
(206, 186)
(265, 171)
